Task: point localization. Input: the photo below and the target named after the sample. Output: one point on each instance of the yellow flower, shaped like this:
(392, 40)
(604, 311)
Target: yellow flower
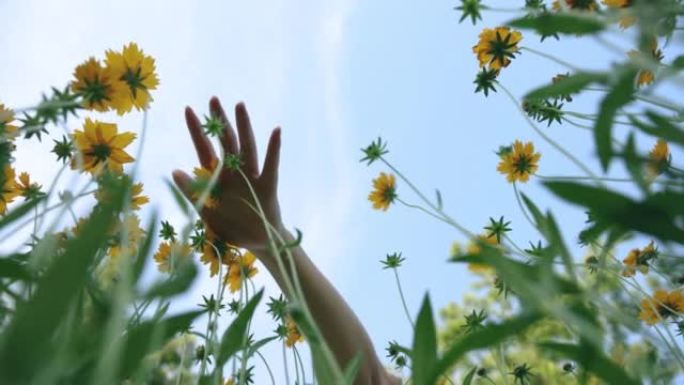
(137, 71)
(626, 20)
(638, 259)
(96, 85)
(293, 334)
(520, 163)
(659, 158)
(663, 305)
(7, 130)
(26, 188)
(239, 270)
(497, 47)
(128, 230)
(475, 248)
(229, 381)
(100, 146)
(215, 253)
(170, 252)
(8, 188)
(646, 76)
(582, 5)
(137, 199)
(384, 191)
(201, 183)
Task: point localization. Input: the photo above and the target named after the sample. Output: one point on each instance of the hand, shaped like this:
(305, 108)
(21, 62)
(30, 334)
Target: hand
(232, 220)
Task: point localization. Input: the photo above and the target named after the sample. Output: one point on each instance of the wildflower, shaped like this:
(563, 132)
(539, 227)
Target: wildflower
(662, 305)
(8, 188)
(277, 307)
(95, 84)
(522, 374)
(128, 234)
(7, 130)
(474, 321)
(239, 270)
(216, 252)
(485, 80)
(626, 20)
(470, 8)
(497, 47)
(57, 107)
(392, 261)
(213, 125)
(137, 72)
(27, 189)
(170, 252)
(167, 231)
(638, 260)
(234, 306)
(293, 334)
(63, 149)
(201, 183)
(211, 304)
(374, 151)
(591, 263)
(519, 164)
(659, 158)
(384, 192)
(233, 162)
(474, 248)
(497, 228)
(579, 5)
(544, 110)
(33, 125)
(653, 54)
(100, 146)
(136, 198)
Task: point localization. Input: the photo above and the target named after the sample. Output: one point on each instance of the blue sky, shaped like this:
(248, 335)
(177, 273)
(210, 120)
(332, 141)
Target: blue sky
(335, 75)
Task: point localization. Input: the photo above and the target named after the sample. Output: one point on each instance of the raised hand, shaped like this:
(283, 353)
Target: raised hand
(232, 219)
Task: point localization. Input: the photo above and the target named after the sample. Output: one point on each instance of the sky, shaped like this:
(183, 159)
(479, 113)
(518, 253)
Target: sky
(334, 75)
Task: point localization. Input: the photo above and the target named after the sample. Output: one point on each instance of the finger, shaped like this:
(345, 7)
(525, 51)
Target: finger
(247, 142)
(270, 172)
(228, 138)
(184, 183)
(203, 146)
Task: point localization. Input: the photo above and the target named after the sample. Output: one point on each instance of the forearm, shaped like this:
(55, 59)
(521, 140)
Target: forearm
(340, 327)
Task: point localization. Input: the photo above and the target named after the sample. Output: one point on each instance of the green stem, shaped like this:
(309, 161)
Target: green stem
(553, 58)
(268, 368)
(403, 299)
(522, 208)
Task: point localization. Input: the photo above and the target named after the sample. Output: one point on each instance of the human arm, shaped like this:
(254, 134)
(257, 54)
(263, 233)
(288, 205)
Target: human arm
(236, 223)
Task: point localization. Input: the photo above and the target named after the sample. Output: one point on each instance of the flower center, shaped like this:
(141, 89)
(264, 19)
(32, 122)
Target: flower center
(501, 48)
(95, 91)
(101, 152)
(134, 79)
(522, 165)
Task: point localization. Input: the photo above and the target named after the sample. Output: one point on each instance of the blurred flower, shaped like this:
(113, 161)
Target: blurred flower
(102, 195)
(384, 192)
(519, 164)
(474, 248)
(638, 259)
(659, 158)
(581, 5)
(202, 183)
(626, 20)
(497, 47)
(240, 269)
(7, 130)
(522, 374)
(470, 8)
(167, 231)
(100, 146)
(63, 149)
(170, 252)
(293, 334)
(651, 54)
(96, 85)
(661, 306)
(137, 72)
(27, 189)
(485, 80)
(8, 188)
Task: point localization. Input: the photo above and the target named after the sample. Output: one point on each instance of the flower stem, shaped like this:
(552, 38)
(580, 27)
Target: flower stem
(403, 299)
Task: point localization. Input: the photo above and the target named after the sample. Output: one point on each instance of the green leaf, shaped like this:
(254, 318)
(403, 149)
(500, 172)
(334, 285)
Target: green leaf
(660, 127)
(26, 346)
(19, 212)
(567, 85)
(620, 95)
(352, 369)
(177, 283)
(654, 216)
(149, 336)
(678, 62)
(259, 344)
(547, 24)
(489, 335)
(556, 241)
(234, 337)
(593, 361)
(13, 268)
(634, 165)
(469, 377)
(424, 351)
(178, 197)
